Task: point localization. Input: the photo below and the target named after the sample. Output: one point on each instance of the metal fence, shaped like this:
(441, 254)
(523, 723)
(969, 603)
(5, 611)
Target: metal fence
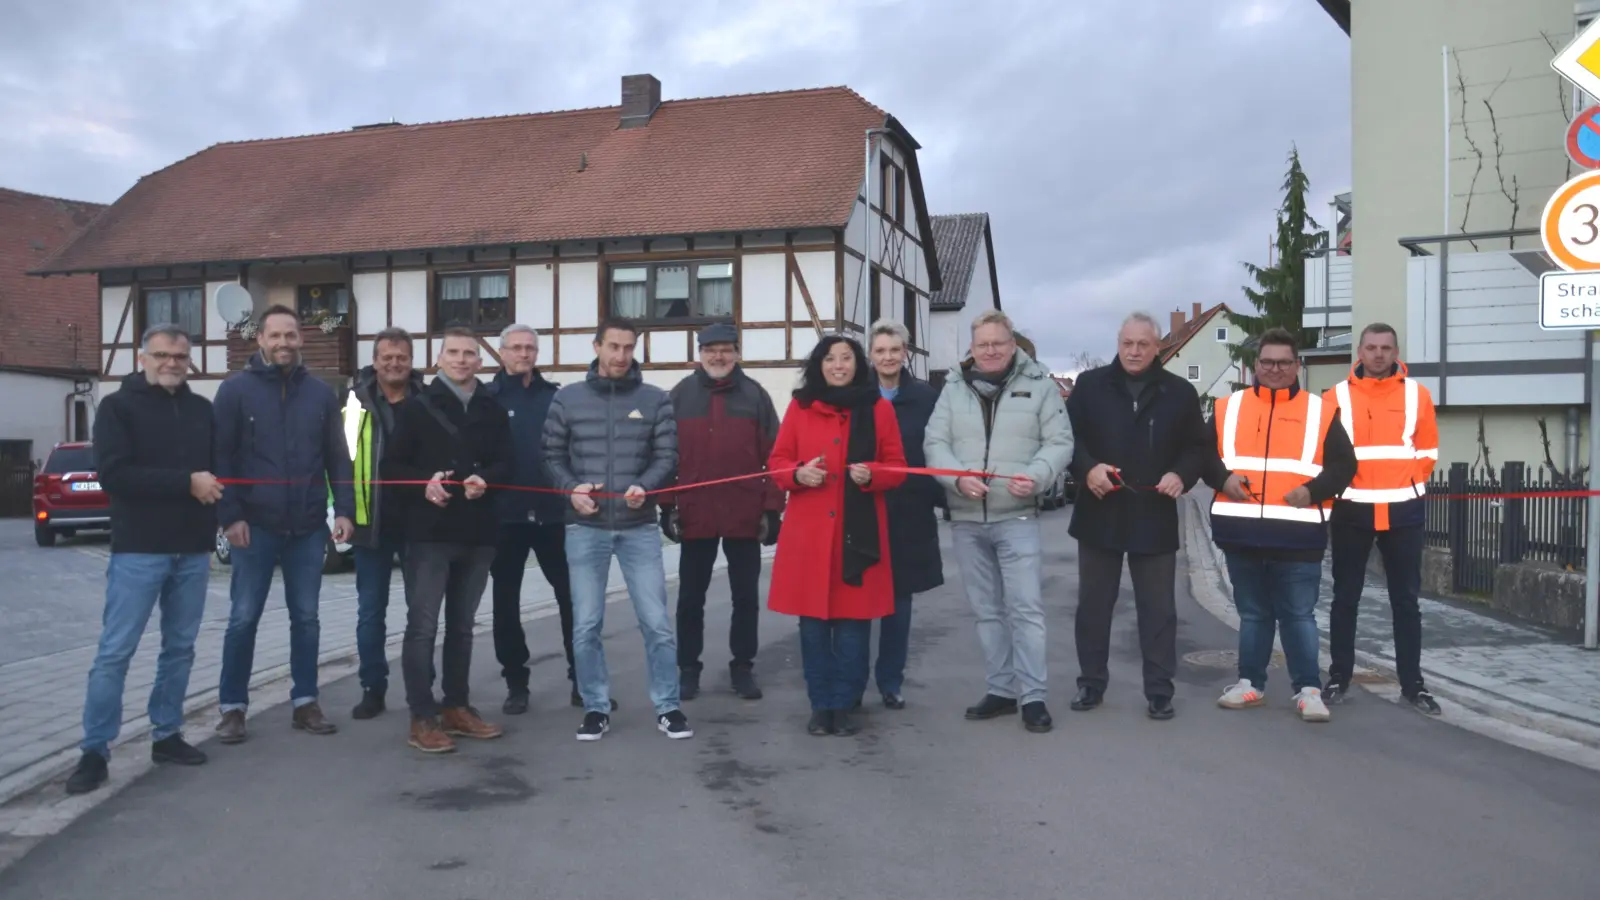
(1469, 514)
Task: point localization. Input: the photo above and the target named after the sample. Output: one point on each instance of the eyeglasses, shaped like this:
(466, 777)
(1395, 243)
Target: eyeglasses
(162, 356)
(990, 347)
(1276, 363)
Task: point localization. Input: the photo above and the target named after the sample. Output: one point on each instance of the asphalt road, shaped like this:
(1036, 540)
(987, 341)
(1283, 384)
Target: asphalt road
(1380, 803)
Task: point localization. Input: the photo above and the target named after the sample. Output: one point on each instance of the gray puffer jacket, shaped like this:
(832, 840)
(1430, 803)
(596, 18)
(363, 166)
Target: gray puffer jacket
(614, 432)
(1025, 431)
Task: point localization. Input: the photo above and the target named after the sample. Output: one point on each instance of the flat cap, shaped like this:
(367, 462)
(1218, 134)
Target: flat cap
(719, 333)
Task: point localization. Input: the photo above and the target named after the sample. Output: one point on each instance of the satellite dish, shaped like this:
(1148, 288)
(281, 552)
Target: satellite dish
(234, 303)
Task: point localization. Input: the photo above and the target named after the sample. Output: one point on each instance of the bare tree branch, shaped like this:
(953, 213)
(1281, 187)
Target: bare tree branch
(1513, 194)
(1466, 132)
(1564, 99)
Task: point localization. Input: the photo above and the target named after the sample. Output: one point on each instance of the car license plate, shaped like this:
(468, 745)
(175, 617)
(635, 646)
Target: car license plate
(86, 486)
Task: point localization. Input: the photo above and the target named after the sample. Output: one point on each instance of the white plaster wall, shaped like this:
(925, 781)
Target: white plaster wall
(371, 293)
(761, 287)
(34, 410)
(112, 301)
(579, 307)
(762, 343)
(817, 269)
(411, 301)
(536, 295)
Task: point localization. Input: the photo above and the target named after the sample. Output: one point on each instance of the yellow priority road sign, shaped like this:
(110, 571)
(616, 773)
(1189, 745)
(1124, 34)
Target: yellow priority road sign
(1570, 226)
(1579, 63)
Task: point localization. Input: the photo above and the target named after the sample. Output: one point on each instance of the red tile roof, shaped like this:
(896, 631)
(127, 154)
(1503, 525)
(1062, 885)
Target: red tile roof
(45, 323)
(753, 162)
(1173, 342)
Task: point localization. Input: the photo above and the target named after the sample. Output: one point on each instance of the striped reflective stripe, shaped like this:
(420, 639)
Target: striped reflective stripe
(1428, 454)
(1230, 425)
(1308, 451)
(1257, 464)
(1382, 495)
(1221, 507)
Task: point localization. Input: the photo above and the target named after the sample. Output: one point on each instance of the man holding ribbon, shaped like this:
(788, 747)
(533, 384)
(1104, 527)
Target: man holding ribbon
(609, 441)
(1002, 416)
(1142, 442)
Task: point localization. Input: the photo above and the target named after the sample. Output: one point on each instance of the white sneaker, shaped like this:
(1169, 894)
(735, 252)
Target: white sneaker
(1312, 709)
(1241, 695)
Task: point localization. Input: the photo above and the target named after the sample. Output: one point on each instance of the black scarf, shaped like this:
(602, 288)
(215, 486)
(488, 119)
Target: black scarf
(861, 549)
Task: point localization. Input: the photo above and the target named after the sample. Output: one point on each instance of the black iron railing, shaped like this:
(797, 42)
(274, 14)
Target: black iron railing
(1470, 514)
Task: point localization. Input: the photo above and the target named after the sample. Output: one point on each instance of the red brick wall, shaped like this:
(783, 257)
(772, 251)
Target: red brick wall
(51, 323)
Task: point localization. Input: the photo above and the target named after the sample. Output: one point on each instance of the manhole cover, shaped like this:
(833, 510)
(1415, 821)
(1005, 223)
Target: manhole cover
(1225, 659)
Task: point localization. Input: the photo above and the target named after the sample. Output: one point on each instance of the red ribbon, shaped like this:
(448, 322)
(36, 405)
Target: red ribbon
(953, 473)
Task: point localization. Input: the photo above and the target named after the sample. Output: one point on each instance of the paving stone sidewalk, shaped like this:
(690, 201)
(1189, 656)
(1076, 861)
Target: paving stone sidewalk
(1526, 667)
(41, 698)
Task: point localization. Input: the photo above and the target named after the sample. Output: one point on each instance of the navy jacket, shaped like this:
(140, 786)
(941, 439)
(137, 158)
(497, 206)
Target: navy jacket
(274, 426)
(527, 406)
(913, 524)
(147, 442)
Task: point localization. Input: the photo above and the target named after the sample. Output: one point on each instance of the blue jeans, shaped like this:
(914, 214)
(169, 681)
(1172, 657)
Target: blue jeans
(300, 557)
(638, 553)
(135, 584)
(1266, 592)
(374, 568)
(894, 639)
(833, 653)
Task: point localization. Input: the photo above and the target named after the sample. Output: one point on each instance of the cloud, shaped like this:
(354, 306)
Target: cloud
(1129, 152)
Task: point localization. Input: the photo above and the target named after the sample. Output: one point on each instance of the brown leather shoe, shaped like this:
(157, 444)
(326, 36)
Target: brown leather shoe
(428, 737)
(309, 718)
(463, 721)
(231, 729)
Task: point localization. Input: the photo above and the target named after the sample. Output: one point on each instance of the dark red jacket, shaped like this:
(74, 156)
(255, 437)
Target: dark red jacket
(725, 428)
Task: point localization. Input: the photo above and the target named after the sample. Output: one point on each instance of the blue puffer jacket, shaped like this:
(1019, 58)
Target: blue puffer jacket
(277, 426)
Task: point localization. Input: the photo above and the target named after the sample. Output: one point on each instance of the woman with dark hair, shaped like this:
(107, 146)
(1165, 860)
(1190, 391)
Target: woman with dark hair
(833, 567)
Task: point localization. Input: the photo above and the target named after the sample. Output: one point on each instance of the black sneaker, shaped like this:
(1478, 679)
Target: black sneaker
(1160, 708)
(517, 703)
(371, 704)
(595, 725)
(674, 725)
(992, 706)
(1334, 692)
(175, 750)
(90, 774)
(894, 701)
(821, 723)
(744, 683)
(688, 684)
(844, 724)
(1423, 702)
(1036, 718)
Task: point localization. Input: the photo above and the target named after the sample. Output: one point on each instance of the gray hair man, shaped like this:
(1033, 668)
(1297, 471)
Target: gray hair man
(153, 454)
(1003, 416)
(1141, 442)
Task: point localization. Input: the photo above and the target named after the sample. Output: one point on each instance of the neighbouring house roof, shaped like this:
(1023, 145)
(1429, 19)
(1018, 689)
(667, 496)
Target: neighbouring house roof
(1173, 342)
(1064, 383)
(957, 239)
(785, 160)
(1339, 11)
(32, 227)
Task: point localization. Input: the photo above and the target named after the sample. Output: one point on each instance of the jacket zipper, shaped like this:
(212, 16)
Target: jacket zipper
(611, 432)
(1266, 453)
(990, 415)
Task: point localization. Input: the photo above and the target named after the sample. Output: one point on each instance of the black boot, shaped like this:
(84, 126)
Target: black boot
(1036, 718)
(992, 706)
(688, 684)
(844, 724)
(516, 702)
(174, 749)
(744, 683)
(90, 774)
(821, 722)
(371, 704)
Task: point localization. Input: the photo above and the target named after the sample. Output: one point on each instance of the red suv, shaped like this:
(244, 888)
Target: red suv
(67, 497)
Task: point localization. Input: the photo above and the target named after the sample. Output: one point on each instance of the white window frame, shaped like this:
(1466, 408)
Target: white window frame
(1222, 334)
(1194, 373)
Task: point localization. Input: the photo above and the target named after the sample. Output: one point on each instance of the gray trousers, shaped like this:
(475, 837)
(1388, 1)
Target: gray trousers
(448, 577)
(1154, 582)
(1001, 569)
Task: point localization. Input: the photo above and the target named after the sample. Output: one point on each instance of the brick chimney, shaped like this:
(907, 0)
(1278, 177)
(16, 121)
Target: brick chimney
(1177, 322)
(641, 94)
(1196, 315)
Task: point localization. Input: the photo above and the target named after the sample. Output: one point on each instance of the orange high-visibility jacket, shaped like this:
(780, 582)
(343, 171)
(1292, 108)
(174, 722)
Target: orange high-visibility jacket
(1391, 422)
(1274, 440)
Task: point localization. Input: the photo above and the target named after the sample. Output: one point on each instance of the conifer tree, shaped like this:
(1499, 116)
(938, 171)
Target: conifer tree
(1279, 293)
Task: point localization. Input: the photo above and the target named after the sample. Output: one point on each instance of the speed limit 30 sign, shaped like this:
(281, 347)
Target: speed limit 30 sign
(1570, 227)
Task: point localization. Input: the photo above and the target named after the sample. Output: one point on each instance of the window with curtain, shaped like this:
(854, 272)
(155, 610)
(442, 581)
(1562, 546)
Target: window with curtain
(181, 306)
(477, 300)
(675, 291)
(333, 299)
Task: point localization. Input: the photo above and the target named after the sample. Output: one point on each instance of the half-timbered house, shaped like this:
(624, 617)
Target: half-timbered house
(789, 214)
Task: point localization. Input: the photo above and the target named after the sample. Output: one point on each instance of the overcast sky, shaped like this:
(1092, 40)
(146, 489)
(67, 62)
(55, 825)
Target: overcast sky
(1130, 152)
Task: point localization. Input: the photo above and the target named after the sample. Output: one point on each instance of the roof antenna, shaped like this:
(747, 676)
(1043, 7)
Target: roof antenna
(583, 161)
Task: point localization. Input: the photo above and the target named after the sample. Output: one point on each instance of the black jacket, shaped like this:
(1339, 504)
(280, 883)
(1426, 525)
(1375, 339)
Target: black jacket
(1160, 431)
(374, 424)
(286, 430)
(422, 445)
(528, 406)
(147, 442)
(913, 524)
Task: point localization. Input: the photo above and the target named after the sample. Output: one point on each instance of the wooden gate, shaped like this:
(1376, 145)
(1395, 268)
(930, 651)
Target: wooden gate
(16, 479)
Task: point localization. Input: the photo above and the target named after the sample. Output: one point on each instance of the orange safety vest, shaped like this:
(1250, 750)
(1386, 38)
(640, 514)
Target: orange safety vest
(1273, 439)
(1396, 437)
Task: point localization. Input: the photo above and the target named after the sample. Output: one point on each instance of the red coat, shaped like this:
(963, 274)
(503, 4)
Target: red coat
(808, 573)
